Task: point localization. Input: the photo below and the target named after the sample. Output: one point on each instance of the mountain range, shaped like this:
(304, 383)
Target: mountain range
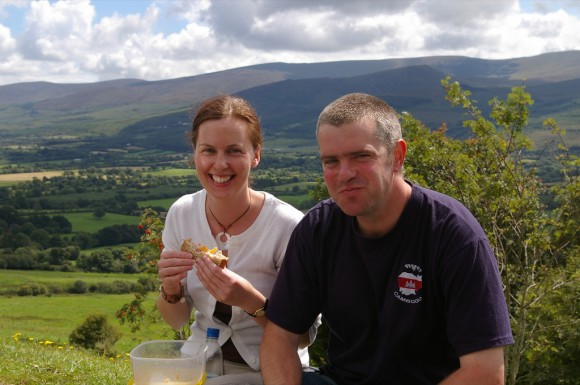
(288, 98)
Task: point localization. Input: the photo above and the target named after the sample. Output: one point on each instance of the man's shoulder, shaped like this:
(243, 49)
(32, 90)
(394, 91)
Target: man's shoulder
(439, 200)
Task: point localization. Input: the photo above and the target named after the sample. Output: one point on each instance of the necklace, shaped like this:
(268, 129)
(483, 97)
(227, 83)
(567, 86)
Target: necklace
(223, 238)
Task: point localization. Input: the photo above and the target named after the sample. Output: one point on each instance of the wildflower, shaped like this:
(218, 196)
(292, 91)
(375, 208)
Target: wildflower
(16, 337)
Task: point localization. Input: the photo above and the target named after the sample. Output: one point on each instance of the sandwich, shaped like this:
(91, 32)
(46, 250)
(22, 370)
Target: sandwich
(198, 250)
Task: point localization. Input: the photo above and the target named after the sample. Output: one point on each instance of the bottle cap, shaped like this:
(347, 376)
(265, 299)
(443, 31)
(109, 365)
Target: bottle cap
(213, 333)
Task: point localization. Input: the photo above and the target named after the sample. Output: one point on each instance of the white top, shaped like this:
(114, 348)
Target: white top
(256, 255)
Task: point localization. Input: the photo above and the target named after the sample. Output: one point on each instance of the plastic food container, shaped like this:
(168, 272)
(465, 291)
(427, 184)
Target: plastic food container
(171, 362)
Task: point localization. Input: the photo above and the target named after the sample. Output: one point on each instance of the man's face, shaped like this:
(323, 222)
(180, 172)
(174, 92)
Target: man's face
(358, 171)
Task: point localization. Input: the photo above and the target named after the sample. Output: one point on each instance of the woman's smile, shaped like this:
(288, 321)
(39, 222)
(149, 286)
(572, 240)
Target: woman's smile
(221, 179)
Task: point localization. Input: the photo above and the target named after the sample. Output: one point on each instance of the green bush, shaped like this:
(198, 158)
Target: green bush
(79, 287)
(95, 333)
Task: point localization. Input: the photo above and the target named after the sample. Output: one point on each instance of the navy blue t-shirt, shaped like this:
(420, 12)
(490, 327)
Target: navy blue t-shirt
(402, 308)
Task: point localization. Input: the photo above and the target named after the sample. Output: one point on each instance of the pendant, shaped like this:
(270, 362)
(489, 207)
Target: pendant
(223, 240)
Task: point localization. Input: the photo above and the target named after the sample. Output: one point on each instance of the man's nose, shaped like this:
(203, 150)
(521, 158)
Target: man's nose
(346, 172)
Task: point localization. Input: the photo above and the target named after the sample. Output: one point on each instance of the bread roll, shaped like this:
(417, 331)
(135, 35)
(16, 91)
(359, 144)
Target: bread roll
(198, 251)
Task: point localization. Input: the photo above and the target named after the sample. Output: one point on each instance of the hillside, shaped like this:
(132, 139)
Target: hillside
(155, 114)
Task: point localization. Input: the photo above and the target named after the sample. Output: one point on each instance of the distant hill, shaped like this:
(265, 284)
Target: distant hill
(288, 97)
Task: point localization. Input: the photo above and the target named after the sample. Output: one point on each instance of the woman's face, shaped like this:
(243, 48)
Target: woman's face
(224, 156)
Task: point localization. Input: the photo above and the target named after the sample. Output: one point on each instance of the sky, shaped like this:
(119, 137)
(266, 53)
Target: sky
(84, 41)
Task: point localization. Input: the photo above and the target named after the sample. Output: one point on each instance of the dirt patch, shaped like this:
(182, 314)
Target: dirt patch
(27, 176)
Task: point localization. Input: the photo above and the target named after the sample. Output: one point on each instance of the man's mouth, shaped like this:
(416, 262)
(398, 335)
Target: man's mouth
(349, 189)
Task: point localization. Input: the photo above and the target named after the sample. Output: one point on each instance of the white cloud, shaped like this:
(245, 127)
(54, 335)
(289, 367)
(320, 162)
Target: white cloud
(7, 42)
(67, 40)
(57, 31)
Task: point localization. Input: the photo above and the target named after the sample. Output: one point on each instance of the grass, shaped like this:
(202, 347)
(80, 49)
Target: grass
(173, 172)
(86, 221)
(10, 279)
(54, 318)
(34, 332)
(27, 362)
(165, 203)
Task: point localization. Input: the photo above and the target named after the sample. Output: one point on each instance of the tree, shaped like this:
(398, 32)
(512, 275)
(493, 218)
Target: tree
(492, 173)
(145, 257)
(99, 212)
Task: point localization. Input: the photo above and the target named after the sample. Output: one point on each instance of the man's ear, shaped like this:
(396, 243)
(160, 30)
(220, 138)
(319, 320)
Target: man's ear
(400, 153)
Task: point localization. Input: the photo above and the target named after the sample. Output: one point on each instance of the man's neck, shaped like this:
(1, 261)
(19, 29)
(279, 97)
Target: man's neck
(385, 220)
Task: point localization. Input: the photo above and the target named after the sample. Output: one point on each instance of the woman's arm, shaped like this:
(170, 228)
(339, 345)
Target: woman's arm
(230, 288)
(173, 267)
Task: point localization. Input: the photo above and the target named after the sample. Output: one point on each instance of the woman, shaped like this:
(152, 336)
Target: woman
(251, 228)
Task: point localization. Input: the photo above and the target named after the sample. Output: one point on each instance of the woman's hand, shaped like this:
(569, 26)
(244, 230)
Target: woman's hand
(173, 267)
(227, 286)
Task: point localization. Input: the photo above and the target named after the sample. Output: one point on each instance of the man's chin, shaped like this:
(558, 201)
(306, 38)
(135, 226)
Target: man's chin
(349, 209)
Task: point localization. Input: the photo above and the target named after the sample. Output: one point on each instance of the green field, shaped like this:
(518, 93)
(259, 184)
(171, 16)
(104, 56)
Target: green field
(54, 317)
(173, 172)
(86, 221)
(14, 278)
(165, 203)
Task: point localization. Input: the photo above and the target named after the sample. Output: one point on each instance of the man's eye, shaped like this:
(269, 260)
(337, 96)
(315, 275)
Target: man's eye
(328, 162)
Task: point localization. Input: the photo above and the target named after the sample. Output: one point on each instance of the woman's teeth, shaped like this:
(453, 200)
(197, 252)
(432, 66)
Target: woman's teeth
(221, 179)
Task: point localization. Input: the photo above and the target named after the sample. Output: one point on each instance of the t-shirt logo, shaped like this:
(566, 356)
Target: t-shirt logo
(410, 283)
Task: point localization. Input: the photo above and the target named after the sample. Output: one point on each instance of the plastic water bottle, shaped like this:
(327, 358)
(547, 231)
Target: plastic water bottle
(214, 362)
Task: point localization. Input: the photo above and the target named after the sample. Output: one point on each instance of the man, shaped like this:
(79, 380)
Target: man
(404, 277)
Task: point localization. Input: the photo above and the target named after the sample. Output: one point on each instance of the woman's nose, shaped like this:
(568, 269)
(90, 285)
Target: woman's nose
(221, 160)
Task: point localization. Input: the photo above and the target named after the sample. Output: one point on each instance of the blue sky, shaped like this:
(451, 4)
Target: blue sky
(93, 40)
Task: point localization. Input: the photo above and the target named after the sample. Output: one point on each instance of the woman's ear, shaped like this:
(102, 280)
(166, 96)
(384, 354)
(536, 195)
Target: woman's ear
(257, 157)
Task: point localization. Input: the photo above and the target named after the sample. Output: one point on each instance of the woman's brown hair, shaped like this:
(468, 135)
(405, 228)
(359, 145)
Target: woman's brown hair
(224, 106)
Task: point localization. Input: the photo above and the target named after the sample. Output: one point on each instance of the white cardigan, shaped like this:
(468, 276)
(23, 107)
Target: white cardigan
(256, 255)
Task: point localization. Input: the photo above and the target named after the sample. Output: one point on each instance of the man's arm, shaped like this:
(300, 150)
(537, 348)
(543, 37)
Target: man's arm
(485, 367)
(279, 360)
